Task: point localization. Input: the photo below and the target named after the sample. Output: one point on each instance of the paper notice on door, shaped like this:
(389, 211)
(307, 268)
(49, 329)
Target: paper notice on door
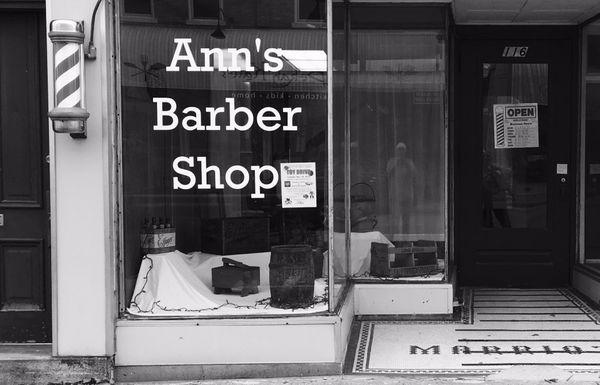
(298, 185)
(516, 126)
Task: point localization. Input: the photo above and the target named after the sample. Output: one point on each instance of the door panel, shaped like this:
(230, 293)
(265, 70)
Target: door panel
(513, 129)
(24, 221)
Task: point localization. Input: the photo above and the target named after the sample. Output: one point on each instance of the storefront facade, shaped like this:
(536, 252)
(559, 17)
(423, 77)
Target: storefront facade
(411, 148)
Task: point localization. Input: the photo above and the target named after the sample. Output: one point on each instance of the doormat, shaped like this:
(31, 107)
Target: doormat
(503, 327)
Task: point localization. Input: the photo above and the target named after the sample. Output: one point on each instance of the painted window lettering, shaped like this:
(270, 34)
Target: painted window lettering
(240, 118)
(220, 59)
(236, 177)
(515, 51)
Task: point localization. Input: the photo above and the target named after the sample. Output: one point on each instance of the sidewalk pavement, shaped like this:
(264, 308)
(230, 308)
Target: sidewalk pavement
(513, 376)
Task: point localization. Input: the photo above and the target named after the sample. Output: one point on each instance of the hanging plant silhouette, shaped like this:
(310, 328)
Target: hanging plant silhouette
(151, 75)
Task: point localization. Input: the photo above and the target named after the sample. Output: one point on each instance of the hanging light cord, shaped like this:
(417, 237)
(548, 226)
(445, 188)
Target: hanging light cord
(91, 49)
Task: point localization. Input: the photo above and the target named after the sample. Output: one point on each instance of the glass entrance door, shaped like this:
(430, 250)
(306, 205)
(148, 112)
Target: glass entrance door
(512, 166)
(515, 152)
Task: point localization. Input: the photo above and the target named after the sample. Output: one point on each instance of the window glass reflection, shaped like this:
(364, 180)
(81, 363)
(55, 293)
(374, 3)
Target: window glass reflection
(397, 147)
(592, 138)
(245, 102)
(514, 180)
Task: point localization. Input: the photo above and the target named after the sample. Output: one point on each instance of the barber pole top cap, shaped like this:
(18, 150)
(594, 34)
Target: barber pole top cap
(66, 31)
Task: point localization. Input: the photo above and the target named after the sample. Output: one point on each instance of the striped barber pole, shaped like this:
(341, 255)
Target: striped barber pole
(69, 114)
(67, 73)
(500, 134)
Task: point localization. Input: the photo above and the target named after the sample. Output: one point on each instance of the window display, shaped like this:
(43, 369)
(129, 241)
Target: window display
(396, 143)
(591, 166)
(224, 160)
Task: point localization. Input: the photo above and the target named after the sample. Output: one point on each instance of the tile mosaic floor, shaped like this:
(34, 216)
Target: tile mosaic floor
(499, 328)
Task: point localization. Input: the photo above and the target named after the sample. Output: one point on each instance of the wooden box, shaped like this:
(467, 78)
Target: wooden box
(235, 276)
(239, 235)
(407, 261)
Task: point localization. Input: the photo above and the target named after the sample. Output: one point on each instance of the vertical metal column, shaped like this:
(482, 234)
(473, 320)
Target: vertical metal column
(330, 218)
(347, 160)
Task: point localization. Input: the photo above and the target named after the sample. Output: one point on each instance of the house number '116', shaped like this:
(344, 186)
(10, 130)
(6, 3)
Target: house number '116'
(515, 51)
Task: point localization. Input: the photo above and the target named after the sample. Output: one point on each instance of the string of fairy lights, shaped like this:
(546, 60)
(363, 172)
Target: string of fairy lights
(367, 275)
(258, 305)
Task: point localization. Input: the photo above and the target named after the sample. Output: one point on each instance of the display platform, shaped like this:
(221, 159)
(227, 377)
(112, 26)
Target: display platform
(360, 250)
(175, 284)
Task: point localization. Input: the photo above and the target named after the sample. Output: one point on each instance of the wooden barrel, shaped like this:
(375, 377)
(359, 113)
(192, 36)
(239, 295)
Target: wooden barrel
(291, 276)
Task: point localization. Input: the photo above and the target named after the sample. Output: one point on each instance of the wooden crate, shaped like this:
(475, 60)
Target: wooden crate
(408, 261)
(238, 235)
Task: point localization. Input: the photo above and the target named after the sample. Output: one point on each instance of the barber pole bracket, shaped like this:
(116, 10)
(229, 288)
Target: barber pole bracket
(69, 114)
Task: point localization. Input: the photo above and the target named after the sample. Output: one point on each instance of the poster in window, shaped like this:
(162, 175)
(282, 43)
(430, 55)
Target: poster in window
(516, 126)
(298, 185)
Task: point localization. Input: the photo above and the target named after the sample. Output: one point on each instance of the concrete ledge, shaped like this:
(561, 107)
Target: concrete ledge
(196, 343)
(405, 299)
(587, 282)
(64, 370)
(203, 372)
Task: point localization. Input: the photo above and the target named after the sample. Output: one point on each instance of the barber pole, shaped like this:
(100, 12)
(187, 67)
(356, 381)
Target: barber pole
(69, 114)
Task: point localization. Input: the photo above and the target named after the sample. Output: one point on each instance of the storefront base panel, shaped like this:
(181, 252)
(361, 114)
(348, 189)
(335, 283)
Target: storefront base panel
(314, 344)
(225, 342)
(587, 282)
(168, 350)
(403, 299)
(204, 372)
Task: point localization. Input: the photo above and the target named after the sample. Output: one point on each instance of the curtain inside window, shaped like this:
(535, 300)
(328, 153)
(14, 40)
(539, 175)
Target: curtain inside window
(397, 119)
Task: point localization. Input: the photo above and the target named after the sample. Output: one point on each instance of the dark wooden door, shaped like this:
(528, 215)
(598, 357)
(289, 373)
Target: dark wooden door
(513, 171)
(25, 314)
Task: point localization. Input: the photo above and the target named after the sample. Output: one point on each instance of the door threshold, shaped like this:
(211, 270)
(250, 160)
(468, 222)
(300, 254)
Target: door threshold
(25, 352)
(500, 329)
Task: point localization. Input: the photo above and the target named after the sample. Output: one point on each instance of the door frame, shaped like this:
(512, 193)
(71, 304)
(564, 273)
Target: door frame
(462, 34)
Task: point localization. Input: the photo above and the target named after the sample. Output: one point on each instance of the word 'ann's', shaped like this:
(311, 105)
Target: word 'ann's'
(238, 59)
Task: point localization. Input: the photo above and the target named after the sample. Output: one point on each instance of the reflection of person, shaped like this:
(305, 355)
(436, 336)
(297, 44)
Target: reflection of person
(401, 174)
(497, 193)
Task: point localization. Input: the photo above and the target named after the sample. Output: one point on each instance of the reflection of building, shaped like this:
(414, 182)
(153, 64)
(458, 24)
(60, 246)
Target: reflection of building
(398, 126)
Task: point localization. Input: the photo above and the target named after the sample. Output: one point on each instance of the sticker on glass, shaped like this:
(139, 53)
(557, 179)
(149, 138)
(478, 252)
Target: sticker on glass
(298, 185)
(516, 126)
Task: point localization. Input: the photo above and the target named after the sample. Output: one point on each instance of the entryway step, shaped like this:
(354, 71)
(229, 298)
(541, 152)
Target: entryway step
(33, 364)
(20, 352)
(497, 329)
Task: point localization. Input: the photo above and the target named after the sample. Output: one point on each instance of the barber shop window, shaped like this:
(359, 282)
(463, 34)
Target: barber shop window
(397, 65)
(591, 137)
(224, 161)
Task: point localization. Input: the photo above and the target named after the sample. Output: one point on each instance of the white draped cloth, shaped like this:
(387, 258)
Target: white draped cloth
(178, 284)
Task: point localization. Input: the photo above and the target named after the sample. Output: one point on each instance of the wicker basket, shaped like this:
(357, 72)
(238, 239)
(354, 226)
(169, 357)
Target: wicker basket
(408, 261)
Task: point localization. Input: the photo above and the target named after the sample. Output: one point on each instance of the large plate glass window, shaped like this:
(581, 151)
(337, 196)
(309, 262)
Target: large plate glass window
(396, 144)
(591, 152)
(224, 159)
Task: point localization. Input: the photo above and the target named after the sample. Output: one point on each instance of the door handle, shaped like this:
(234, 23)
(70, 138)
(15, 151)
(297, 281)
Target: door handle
(562, 170)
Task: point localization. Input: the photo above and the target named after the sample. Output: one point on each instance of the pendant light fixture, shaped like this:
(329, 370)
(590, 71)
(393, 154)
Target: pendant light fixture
(218, 32)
